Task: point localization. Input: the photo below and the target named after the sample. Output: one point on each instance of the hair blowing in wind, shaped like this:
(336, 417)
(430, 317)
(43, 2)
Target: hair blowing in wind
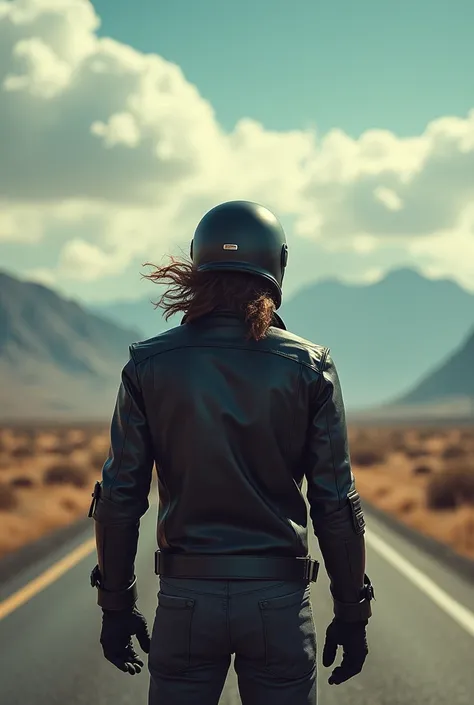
(197, 293)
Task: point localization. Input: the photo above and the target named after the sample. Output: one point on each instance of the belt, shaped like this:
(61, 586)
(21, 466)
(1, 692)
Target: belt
(220, 567)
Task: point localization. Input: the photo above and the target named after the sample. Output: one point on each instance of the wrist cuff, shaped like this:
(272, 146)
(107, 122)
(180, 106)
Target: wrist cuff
(117, 599)
(352, 611)
(356, 611)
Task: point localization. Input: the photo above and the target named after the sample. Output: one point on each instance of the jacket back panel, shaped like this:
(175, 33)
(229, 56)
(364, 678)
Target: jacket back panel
(228, 420)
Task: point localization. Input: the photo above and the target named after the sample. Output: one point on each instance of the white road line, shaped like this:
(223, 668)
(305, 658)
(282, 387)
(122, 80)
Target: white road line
(460, 614)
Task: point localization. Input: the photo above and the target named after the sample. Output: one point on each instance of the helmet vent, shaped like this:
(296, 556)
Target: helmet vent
(230, 247)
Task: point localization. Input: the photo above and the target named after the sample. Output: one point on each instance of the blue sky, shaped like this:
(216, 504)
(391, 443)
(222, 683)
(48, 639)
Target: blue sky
(85, 198)
(290, 63)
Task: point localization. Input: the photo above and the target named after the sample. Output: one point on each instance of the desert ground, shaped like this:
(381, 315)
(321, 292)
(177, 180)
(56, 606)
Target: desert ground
(423, 476)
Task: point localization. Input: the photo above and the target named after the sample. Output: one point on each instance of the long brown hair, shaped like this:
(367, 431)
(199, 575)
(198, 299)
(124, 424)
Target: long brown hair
(198, 293)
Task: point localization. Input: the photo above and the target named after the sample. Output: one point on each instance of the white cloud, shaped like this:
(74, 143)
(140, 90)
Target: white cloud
(364, 243)
(20, 222)
(41, 275)
(45, 75)
(422, 185)
(371, 276)
(99, 136)
(389, 198)
(449, 253)
(122, 128)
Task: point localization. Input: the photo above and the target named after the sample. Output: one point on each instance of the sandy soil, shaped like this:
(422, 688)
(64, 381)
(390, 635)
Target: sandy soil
(46, 480)
(423, 476)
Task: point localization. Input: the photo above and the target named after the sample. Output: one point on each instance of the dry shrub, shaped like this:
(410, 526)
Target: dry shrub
(32, 436)
(382, 491)
(97, 459)
(8, 498)
(67, 449)
(91, 436)
(426, 434)
(365, 457)
(422, 470)
(453, 451)
(27, 450)
(80, 443)
(63, 435)
(396, 435)
(358, 435)
(466, 436)
(449, 490)
(462, 531)
(414, 452)
(407, 505)
(64, 449)
(64, 474)
(55, 449)
(70, 504)
(399, 447)
(22, 481)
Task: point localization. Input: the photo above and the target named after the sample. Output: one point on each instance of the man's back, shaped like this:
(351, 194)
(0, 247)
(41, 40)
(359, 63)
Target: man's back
(234, 411)
(228, 419)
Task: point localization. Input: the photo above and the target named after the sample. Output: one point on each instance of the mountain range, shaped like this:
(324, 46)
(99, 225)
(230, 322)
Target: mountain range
(403, 342)
(453, 379)
(57, 359)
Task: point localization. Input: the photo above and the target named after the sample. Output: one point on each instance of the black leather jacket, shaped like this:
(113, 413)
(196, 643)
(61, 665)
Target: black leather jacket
(234, 427)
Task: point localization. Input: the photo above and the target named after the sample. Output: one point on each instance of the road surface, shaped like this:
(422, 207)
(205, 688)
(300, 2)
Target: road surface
(421, 637)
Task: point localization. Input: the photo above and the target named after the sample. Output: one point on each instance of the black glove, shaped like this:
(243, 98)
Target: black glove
(118, 627)
(352, 637)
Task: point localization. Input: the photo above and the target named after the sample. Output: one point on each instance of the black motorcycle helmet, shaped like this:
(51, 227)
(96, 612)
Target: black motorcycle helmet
(242, 236)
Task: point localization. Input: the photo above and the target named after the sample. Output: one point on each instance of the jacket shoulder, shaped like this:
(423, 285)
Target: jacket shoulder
(299, 349)
(163, 342)
(278, 341)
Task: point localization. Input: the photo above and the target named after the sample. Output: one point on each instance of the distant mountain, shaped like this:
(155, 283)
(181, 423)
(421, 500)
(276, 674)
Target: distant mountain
(446, 393)
(452, 380)
(56, 358)
(384, 336)
(140, 314)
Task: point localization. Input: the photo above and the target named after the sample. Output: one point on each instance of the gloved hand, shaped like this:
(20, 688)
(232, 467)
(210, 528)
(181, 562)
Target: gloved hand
(352, 637)
(118, 627)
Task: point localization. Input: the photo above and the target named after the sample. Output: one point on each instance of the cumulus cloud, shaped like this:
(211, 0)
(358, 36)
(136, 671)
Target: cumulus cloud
(449, 253)
(100, 137)
(395, 187)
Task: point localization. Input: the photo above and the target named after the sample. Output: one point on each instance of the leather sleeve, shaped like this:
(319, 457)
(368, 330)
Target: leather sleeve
(335, 509)
(121, 498)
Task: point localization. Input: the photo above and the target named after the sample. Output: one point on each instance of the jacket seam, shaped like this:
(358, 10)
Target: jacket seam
(234, 347)
(298, 542)
(136, 371)
(122, 449)
(324, 360)
(119, 464)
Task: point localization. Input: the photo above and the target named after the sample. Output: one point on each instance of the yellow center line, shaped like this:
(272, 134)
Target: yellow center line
(10, 604)
(49, 576)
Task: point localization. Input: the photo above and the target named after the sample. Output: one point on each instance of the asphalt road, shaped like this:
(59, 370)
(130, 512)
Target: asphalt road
(421, 642)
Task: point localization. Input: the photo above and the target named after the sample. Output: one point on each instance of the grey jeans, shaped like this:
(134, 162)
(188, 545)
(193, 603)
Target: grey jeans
(200, 623)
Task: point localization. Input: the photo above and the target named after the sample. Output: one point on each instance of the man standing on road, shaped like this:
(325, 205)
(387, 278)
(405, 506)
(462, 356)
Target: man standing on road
(236, 412)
